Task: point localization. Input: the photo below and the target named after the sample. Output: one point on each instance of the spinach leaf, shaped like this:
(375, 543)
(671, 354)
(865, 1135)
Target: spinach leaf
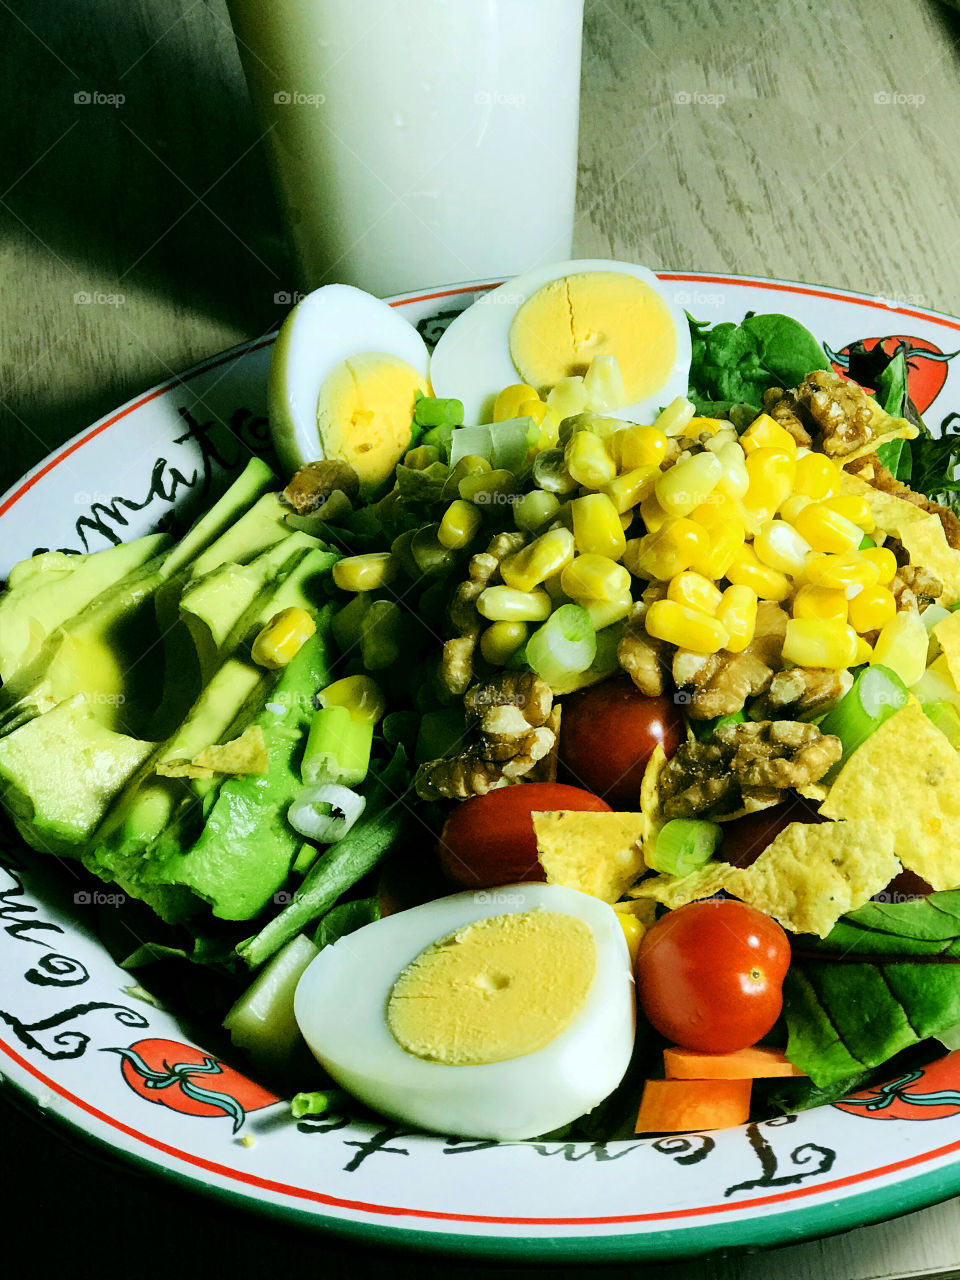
(897, 457)
(886, 977)
(344, 919)
(734, 364)
(891, 389)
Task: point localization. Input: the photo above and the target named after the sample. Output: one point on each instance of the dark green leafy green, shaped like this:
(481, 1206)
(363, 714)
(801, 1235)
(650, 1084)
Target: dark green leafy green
(732, 365)
(891, 388)
(887, 977)
(345, 918)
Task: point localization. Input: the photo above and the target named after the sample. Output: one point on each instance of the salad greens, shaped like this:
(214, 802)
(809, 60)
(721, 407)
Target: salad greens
(733, 364)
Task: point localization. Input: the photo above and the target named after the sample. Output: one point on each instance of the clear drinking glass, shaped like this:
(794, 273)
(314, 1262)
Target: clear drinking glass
(417, 141)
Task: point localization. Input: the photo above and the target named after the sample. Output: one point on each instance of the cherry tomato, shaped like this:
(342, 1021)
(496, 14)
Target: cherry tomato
(489, 840)
(608, 733)
(744, 839)
(709, 975)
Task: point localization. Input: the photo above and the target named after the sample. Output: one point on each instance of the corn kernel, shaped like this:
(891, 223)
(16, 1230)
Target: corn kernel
(500, 641)
(819, 642)
(734, 478)
(854, 508)
(852, 570)
(604, 612)
(687, 484)
(817, 477)
(737, 614)
(626, 490)
(596, 526)
(827, 530)
(771, 473)
(548, 554)
(884, 560)
(780, 546)
(459, 524)
(588, 461)
(423, 456)
(506, 604)
(368, 572)
(791, 508)
(282, 638)
(726, 434)
(639, 446)
(669, 551)
(487, 487)
(695, 590)
(872, 608)
(685, 627)
(652, 514)
(726, 539)
(825, 603)
(508, 402)
(549, 434)
(626, 517)
(864, 652)
(568, 397)
(746, 570)
(593, 577)
(633, 931)
(698, 427)
(361, 695)
(676, 417)
(604, 385)
(765, 433)
(535, 410)
(534, 510)
(470, 464)
(902, 646)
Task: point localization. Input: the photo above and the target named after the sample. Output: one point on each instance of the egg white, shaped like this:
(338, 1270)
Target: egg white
(341, 1004)
(472, 360)
(328, 326)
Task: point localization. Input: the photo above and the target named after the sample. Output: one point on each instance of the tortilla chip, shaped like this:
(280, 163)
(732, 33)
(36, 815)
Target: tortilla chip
(892, 514)
(814, 791)
(677, 891)
(650, 794)
(246, 754)
(947, 634)
(893, 429)
(597, 853)
(812, 873)
(906, 777)
(643, 909)
(927, 546)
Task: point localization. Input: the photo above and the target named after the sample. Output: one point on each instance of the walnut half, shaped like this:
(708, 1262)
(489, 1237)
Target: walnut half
(743, 767)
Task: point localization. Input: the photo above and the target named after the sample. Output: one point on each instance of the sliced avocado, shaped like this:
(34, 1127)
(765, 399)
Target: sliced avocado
(170, 810)
(246, 848)
(57, 809)
(47, 589)
(253, 482)
(103, 652)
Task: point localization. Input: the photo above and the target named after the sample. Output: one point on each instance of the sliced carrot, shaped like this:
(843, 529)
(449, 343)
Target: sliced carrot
(684, 1106)
(755, 1063)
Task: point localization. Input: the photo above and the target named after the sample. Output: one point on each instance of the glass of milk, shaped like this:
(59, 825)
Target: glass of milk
(414, 142)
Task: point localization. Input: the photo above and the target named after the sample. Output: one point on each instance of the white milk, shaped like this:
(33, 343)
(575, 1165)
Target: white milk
(417, 141)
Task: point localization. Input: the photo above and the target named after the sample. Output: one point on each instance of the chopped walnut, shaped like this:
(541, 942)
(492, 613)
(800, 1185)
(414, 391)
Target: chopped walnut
(801, 693)
(313, 484)
(456, 665)
(645, 659)
(545, 770)
(876, 474)
(914, 587)
(777, 403)
(513, 713)
(744, 767)
(837, 410)
(719, 684)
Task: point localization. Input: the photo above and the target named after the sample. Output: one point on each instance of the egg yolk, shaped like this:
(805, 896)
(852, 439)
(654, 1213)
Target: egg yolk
(559, 330)
(500, 988)
(365, 411)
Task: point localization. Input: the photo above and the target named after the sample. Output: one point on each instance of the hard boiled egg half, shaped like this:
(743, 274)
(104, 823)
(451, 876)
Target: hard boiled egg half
(492, 1015)
(553, 322)
(344, 377)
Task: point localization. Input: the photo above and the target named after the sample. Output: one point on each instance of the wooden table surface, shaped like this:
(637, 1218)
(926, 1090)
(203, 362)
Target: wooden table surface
(815, 142)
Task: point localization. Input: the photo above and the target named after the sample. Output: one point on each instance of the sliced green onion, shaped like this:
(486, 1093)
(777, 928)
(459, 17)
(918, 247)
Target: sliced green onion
(437, 411)
(317, 1103)
(565, 645)
(475, 442)
(865, 542)
(511, 443)
(703, 729)
(550, 472)
(684, 845)
(876, 695)
(933, 687)
(325, 813)
(933, 614)
(947, 719)
(338, 748)
(305, 859)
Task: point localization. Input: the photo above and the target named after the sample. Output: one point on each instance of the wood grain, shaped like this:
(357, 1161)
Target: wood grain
(730, 137)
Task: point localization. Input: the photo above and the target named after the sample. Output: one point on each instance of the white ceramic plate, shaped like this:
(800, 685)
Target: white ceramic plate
(131, 1077)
